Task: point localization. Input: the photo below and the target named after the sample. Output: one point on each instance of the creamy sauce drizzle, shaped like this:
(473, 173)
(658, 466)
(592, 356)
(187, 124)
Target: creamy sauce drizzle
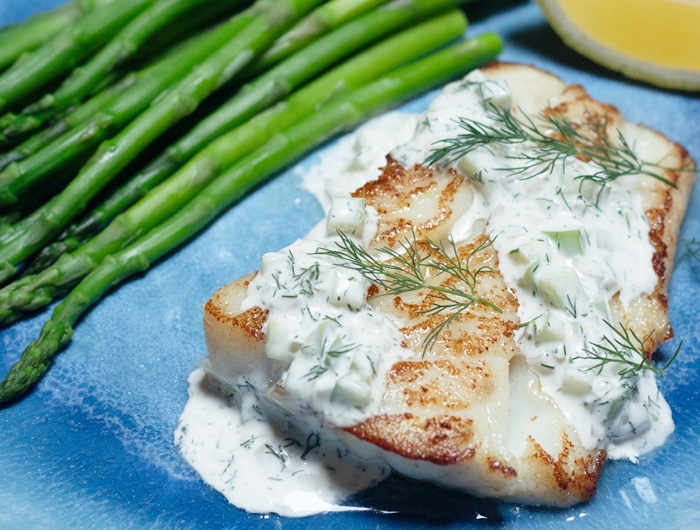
(335, 349)
(357, 158)
(261, 459)
(217, 420)
(563, 287)
(313, 312)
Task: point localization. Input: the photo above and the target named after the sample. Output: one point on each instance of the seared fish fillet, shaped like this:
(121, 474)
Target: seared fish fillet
(469, 413)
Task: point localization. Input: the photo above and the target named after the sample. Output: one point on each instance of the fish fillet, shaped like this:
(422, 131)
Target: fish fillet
(470, 413)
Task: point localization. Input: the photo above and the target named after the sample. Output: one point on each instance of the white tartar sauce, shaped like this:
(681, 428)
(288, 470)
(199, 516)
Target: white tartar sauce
(263, 460)
(334, 347)
(271, 449)
(564, 250)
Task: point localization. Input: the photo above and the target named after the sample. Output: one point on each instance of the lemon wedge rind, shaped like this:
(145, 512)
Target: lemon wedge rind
(588, 43)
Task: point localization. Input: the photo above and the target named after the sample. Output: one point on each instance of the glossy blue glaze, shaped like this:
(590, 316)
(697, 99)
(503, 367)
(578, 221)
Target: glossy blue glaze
(92, 445)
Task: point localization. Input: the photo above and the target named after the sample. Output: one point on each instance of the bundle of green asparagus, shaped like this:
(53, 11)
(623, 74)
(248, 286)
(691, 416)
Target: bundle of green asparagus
(255, 92)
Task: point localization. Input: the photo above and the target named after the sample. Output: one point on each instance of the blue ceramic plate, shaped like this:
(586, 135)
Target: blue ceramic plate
(92, 446)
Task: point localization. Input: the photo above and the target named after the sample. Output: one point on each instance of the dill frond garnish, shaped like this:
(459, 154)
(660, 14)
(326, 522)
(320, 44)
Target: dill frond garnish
(315, 372)
(312, 442)
(557, 139)
(249, 442)
(304, 279)
(280, 454)
(626, 349)
(571, 309)
(340, 349)
(406, 272)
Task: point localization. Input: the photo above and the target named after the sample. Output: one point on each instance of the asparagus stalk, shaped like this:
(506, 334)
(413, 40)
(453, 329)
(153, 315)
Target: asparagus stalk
(321, 21)
(12, 231)
(282, 149)
(21, 176)
(27, 36)
(230, 114)
(163, 43)
(30, 293)
(8, 219)
(84, 79)
(77, 117)
(148, 85)
(70, 47)
(251, 99)
(173, 60)
(268, 20)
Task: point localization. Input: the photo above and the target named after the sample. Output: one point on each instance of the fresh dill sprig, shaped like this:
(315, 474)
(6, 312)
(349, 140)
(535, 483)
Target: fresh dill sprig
(531, 321)
(334, 320)
(572, 306)
(305, 278)
(406, 272)
(316, 372)
(329, 349)
(249, 442)
(557, 139)
(279, 454)
(336, 350)
(627, 349)
(312, 442)
(290, 442)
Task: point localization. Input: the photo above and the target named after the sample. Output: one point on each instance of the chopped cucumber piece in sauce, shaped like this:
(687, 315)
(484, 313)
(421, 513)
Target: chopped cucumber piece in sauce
(549, 328)
(556, 285)
(528, 279)
(568, 241)
(346, 215)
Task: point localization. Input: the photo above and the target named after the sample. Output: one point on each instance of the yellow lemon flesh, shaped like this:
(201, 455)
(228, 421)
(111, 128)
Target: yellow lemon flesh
(653, 40)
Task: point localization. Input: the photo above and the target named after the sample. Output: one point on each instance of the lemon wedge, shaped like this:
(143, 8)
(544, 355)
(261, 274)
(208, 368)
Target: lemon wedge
(657, 41)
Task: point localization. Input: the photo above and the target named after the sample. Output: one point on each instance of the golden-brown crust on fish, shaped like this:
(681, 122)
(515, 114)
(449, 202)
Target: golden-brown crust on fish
(235, 340)
(575, 477)
(443, 439)
(465, 377)
(416, 200)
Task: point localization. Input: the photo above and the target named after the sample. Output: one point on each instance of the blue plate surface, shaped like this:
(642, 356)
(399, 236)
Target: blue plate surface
(92, 446)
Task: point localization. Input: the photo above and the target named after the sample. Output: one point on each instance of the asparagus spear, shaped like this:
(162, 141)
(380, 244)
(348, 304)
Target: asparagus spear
(282, 149)
(176, 58)
(73, 119)
(148, 85)
(70, 47)
(84, 79)
(20, 176)
(268, 20)
(32, 292)
(333, 14)
(321, 21)
(23, 224)
(230, 114)
(252, 98)
(8, 219)
(281, 80)
(163, 43)
(29, 35)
